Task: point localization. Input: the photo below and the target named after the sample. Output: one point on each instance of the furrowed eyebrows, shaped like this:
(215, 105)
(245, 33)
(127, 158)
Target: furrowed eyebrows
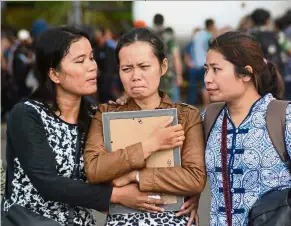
(126, 65)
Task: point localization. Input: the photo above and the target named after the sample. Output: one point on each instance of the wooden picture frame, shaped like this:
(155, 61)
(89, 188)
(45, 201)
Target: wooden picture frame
(122, 129)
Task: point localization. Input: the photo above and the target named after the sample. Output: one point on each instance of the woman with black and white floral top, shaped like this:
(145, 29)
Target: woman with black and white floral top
(42, 135)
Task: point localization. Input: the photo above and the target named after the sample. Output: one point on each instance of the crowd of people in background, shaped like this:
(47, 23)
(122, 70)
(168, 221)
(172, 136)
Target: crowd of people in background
(184, 79)
(55, 137)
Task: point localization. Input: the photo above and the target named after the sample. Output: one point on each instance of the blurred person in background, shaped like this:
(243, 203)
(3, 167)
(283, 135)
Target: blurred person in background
(32, 77)
(245, 24)
(38, 27)
(190, 62)
(158, 24)
(10, 52)
(5, 45)
(108, 85)
(173, 79)
(195, 59)
(264, 33)
(23, 61)
(8, 86)
(283, 29)
(287, 32)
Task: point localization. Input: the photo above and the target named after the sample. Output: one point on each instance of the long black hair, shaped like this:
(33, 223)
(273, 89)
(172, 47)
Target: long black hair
(51, 47)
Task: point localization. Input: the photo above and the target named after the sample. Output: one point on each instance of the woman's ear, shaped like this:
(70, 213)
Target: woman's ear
(54, 75)
(248, 77)
(164, 66)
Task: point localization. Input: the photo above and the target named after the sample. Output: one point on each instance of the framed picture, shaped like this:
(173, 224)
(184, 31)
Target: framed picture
(122, 129)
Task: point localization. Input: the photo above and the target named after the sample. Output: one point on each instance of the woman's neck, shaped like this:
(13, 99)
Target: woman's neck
(69, 106)
(240, 107)
(150, 102)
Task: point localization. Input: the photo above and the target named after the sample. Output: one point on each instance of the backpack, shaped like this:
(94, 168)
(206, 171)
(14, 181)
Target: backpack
(270, 46)
(274, 207)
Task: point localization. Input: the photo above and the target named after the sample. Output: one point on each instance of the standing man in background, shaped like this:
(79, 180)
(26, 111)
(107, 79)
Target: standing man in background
(173, 79)
(104, 56)
(195, 59)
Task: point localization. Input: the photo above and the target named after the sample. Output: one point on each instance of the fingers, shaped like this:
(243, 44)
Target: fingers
(174, 133)
(195, 200)
(115, 183)
(156, 201)
(150, 200)
(153, 208)
(166, 147)
(186, 211)
(186, 205)
(191, 218)
(151, 205)
(177, 128)
(178, 143)
(173, 144)
(178, 139)
(179, 133)
(111, 102)
(196, 219)
(171, 136)
(120, 102)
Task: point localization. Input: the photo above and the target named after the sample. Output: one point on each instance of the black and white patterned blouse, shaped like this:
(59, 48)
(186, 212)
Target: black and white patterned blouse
(40, 158)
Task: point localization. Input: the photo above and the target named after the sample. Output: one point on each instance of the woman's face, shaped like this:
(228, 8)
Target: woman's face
(78, 74)
(140, 70)
(220, 80)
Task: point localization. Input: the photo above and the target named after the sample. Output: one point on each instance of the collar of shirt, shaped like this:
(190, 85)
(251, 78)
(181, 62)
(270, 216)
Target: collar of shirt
(260, 105)
(166, 102)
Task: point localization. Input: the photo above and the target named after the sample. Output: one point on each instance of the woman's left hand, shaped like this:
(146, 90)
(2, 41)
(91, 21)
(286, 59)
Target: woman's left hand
(190, 206)
(125, 179)
(122, 100)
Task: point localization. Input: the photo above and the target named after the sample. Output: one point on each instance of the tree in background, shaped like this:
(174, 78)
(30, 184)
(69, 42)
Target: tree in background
(115, 15)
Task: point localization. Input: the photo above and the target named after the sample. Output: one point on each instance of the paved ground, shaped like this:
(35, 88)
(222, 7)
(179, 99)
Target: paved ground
(204, 200)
